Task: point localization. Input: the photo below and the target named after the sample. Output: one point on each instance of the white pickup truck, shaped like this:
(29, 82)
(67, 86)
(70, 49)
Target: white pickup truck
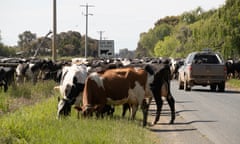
(203, 68)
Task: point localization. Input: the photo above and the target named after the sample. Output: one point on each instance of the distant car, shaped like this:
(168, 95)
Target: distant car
(203, 68)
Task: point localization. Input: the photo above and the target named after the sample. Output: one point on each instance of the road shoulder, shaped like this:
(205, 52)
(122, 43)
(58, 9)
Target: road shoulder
(181, 132)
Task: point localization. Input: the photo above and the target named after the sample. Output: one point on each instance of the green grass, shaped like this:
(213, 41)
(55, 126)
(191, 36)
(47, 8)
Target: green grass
(234, 83)
(28, 91)
(37, 124)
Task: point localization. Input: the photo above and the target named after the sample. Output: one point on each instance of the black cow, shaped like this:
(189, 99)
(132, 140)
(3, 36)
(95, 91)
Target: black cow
(6, 77)
(52, 70)
(233, 69)
(160, 87)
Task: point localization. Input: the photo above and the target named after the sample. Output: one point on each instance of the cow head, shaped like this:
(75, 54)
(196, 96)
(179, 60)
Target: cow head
(64, 107)
(71, 94)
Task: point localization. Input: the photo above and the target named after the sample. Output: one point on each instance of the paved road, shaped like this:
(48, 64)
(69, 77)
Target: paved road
(202, 117)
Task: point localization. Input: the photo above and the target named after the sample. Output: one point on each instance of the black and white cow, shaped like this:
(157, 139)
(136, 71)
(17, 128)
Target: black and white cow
(233, 69)
(26, 71)
(71, 87)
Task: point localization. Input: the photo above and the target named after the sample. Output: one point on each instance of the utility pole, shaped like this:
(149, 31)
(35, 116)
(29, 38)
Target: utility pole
(99, 43)
(86, 35)
(54, 55)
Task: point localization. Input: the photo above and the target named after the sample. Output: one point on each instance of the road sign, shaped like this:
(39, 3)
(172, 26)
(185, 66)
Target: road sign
(106, 48)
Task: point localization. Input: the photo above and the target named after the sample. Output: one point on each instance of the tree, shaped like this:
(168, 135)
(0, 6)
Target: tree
(25, 40)
(192, 16)
(167, 47)
(148, 40)
(169, 20)
(69, 43)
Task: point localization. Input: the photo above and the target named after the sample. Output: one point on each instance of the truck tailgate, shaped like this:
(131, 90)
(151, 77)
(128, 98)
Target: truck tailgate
(208, 70)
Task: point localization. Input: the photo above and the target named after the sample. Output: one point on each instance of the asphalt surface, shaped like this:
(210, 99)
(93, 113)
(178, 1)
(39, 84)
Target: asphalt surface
(202, 117)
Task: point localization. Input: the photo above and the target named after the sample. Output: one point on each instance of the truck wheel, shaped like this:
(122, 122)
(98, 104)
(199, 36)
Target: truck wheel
(213, 87)
(221, 87)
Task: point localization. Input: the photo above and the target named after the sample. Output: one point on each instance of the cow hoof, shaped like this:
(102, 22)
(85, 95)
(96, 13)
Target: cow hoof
(154, 122)
(171, 122)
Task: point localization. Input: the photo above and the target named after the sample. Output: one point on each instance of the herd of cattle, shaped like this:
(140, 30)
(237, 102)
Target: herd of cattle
(96, 86)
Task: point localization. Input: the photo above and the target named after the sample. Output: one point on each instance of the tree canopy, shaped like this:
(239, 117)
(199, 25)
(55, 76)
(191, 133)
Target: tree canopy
(176, 36)
(69, 43)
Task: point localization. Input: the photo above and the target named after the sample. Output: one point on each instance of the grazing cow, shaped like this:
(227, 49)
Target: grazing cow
(160, 87)
(6, 77)
(71, 87)
(28, 70)
(116, 87)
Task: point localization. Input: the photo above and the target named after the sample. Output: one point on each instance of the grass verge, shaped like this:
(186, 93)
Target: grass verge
(235, 83)
(37, 123)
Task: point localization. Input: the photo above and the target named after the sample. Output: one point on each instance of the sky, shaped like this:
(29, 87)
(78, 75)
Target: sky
(120, 20)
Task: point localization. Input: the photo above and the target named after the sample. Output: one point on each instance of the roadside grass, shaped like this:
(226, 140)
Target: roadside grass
(234, 83)
(36, 123)
(24, 94)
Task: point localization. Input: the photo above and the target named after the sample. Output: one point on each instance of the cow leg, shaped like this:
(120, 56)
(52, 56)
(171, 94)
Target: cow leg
(159, 104)
(171, 103)
(77, 105)
(133, 111)
(125, 107)
(145, 107)
(5, 86)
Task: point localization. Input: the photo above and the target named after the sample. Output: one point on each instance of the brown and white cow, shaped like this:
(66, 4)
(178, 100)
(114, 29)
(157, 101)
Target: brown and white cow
(116, 87)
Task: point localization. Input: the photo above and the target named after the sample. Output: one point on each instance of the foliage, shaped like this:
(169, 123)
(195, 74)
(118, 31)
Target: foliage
(195, 30)
(25, 40)
(169, 20)
(166, 47)
(148, 40)
(69, 43)
(6, 51)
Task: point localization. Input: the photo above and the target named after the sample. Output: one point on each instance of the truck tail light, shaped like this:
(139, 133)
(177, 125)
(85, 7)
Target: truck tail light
(190, 68)
(225, 71)
(190, 71)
